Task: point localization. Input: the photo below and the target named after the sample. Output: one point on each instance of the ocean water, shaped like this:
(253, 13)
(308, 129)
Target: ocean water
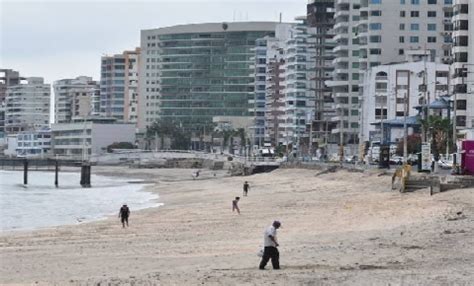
(40, 204)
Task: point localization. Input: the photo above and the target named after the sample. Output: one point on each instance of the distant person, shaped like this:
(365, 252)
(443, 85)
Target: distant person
(235, 205)
(246, 188)
(270, 244)
(124, 213)
(196, 175)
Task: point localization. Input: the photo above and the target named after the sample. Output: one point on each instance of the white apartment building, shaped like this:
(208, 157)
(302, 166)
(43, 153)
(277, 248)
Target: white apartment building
(388, 87)
(74, 98)
(119, 86)
(27, 106)
(299, 65)
(268, 52)
(90, 137)
(374, 32)
(33, 143)
(463, 63)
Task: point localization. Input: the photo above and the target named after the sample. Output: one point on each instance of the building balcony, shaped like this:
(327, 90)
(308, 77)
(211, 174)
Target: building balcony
(333, 83)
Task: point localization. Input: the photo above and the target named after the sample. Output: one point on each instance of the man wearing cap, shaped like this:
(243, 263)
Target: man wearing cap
(270, 243)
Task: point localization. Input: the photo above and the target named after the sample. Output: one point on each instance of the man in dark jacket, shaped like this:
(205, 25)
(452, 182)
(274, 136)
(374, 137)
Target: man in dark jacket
(124, 213)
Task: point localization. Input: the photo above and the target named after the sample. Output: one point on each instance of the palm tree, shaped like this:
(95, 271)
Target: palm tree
(440, 129)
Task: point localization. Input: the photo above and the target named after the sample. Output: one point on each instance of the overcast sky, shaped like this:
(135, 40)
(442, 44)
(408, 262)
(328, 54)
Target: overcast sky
(64, 39)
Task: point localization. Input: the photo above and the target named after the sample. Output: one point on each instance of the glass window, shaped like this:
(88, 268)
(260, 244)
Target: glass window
(375, 39)
(402, 14)
(375, 26)
(414, 27)
(375, 1)
(414, 39)
(415, 14)
(431, 39)
(415, 2)
(401, 39)
(402, 27)
(431, 27)
(432, 2)
(431, 14)
(402, 1)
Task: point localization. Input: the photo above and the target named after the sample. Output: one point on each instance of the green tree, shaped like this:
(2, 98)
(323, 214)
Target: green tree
(167, 128)
(413, 145)
(439, 129)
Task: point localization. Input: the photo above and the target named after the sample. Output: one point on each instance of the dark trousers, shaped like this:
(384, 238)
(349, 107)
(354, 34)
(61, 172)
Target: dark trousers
(125, 220)
(272, 253)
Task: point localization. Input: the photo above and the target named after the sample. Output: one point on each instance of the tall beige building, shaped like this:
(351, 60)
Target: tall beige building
(27, 106)
(74, 98)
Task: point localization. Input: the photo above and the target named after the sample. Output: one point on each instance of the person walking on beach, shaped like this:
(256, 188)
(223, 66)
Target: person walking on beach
(270, 244)
(124, 213)
(246, 188)
(235, 205)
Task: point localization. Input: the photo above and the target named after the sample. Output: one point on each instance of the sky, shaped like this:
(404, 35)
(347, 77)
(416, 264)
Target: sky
(65, 39)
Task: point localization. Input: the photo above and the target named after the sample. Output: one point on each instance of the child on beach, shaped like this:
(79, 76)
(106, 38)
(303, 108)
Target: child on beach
(235, 206)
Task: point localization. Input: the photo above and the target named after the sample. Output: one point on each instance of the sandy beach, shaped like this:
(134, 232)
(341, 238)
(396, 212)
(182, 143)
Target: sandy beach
(342, 228)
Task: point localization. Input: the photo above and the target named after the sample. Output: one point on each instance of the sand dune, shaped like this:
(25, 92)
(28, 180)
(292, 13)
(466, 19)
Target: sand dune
(338, 229)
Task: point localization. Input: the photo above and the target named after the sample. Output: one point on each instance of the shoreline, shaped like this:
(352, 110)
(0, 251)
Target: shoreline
(340, 228)
(139, 184)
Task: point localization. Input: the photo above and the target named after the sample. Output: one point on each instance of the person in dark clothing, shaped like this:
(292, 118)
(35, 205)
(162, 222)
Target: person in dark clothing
(124, 213)
(270, 243)
(235, 205)
(246, 188)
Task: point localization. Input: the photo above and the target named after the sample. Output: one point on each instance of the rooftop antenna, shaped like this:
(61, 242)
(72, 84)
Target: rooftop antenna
(281, 14)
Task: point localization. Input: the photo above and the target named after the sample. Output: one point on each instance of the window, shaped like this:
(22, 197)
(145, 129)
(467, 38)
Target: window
(402, 14)
(402, 1)
(431, 27)
(431, 14)
(376, 13)
(375, 39)
(375, 1)
(401, 51)
(375, 51)
(414, 39)
(461, 104)
(432, 2)
(402, 27)
(415, 27)
(431, 39)
(448, 2)
(401, 39)
(415, 14)
(415, 2)
(375, 26)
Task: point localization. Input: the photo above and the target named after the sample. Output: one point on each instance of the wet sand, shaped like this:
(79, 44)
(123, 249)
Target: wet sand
(338, 229)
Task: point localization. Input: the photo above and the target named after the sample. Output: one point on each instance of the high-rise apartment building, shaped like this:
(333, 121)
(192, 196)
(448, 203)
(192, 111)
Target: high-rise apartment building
(27, 105)
(299, 90)
(8, 78)
(268, 90)
(74, 98)
(320, 15)
(191, 73)
(119, 86)
(463, 63)
(374, 32)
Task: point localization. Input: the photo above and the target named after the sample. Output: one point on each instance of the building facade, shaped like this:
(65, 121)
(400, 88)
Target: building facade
(27, 106)
(463, 63)
(35, 143)
(81, 139)
(389, 87)
(8, 78)
(371, 33)
(191, 73)
(74, 98)
(320, 15)
(119, 86)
